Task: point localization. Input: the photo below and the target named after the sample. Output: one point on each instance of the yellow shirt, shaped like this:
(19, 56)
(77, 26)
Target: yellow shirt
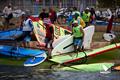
(82, 23)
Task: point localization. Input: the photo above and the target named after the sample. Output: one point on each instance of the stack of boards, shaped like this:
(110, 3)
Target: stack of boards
(36, 56)
(10, 34)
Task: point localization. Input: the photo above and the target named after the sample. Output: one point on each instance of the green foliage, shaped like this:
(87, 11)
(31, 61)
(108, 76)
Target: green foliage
(108, 3)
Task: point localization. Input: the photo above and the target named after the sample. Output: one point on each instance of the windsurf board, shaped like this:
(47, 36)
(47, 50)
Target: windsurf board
(10, 34)
(19, 51)
(67, 58)
(35, 60)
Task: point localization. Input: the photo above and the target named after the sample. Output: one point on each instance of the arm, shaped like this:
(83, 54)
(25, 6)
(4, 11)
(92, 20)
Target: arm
(89, 19)
(82, 23)
(52, 32)
(31, 24)
(82, 32)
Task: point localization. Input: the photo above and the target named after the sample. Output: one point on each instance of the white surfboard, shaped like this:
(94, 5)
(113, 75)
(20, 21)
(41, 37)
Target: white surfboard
(89, 32)
(60, 39)
(108, 36)
(66, 45)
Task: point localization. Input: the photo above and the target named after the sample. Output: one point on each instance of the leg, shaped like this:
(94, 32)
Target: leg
(46, 42)
(75, 48)
(51, 41)
(75, 44)
(80, 45)
(49, 53)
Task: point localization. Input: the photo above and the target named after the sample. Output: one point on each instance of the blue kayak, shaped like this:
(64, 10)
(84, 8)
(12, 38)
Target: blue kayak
(19, 51)
(10, 34)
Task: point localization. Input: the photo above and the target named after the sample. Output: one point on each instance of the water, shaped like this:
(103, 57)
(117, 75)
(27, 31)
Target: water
(34, 73)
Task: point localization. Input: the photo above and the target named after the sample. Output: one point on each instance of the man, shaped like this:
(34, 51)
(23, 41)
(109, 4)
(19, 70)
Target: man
(86, 16)
(49, 38)
(52, 15)
(79, 19)
(27, 28)
(7, 11)
(78, 35)
(93, 16)
(49, 32)
(43, 14)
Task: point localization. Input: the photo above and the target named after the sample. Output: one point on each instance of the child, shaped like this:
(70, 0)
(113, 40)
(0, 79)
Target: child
(78, 34)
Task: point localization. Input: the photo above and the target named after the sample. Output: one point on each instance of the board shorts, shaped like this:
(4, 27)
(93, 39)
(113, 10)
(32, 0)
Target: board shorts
(77, 42)
(47, 40)
(24, 36)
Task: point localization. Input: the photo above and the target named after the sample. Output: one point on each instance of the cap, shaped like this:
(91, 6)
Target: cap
(87, 8)
(23, 13)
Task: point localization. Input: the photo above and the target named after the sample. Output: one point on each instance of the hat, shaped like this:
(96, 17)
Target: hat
(75, 22)
(23, 13)
(87, 8)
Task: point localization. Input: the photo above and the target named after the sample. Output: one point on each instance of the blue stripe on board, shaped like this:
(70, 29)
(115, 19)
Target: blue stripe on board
(34, 60)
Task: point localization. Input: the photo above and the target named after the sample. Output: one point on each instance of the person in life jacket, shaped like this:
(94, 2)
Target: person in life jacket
(78, 35)
(86, 16)
(27, 28)
(79, 19)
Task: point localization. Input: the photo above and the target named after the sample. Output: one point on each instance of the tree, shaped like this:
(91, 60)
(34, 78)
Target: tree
(108, 3)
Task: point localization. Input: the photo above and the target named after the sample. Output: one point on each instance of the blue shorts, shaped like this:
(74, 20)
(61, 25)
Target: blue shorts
(77, 42)
(26, 37)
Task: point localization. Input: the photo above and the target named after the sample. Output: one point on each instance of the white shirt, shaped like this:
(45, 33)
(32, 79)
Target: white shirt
(27, 25)
(7, 11)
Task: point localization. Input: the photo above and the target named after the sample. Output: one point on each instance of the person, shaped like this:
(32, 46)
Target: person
(7, 11)
(109, 26)
(49, 38)
(52, 15)
(86, 16)
(98, 15)
(79, 19)
(75, 12)
(93, 15)
(43, 14)
(27, 28)
(78, 35)
(118, 12)
(76, 16)
(49, 32)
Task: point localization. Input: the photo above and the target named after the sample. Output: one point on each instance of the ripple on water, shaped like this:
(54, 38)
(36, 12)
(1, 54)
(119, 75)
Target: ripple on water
(23, 73)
